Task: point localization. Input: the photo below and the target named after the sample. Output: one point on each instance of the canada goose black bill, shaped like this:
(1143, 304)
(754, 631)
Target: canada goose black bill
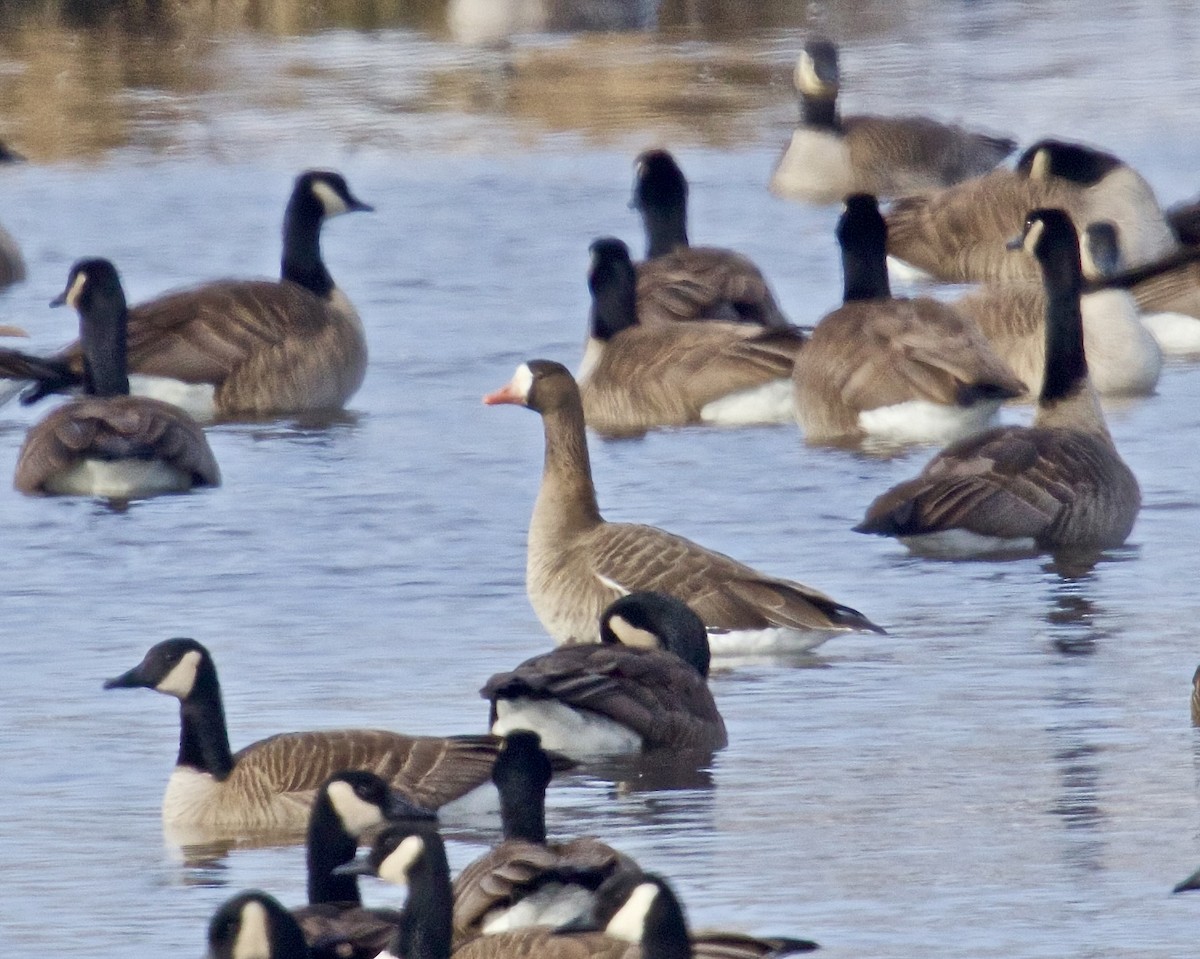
(644, 687)
(577, 563)
(109, 443)
(270, 785)
(238, 348)
(253, 925)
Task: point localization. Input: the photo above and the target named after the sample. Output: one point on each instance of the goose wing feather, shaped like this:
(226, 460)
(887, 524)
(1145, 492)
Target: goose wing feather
(705, 283)
(537, 942)
(346, 930)
(718, 944)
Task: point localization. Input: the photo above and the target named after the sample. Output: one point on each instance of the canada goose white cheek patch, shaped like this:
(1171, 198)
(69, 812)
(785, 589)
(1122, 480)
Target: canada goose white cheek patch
(357, 815)
(631, 635)
(805, 77)
(330, 201)
(396, 866)
(182, 677)
(253, 939)
(630, 921)
(1039, 169)
(76, 290)
(1032, 235)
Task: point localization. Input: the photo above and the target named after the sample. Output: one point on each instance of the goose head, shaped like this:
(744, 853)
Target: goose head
(658, 182)
(360, 801)
(540, 385)
(640, 908)
(657, 621)
(521, 760)
(253, 925)
(327, 194)
(862, 236)
(1049, 236)
(1075, 162)
(94, 291)
(817, 74)
(174, 667)
(612, 280)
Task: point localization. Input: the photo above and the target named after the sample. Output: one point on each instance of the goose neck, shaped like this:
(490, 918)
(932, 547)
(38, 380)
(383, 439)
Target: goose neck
(666, 227)
(329, 846)
(302, 261)
(426, 930)
(820, 112)
(523, 811)
(203, 736)
(103, 338)
(865, 275)
(566, 502)
(1067, 398)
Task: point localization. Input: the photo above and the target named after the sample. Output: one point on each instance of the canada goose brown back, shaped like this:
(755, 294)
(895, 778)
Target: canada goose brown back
(525, 880)
(959, 233)
(109, 443)
(635, 377)
(270, 785)
(577, 563)
(904, 370)
(830, 157)
(644, 687)
(253, 925)
(1057, 486)
(678, 282)
(235, 348)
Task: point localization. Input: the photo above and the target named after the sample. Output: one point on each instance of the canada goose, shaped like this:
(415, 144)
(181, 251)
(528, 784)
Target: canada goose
(12, 264)
(1190, 883)
(525, 880)
(347, 805)
(1058, 485)
(636, 377)
(1124, 359)
(678, 281)
(902, 370)
(270, 784)
(644, 687)
(830, 156)
(577, 563)
(253, 925)
(959, 233)
(234, 348)
(109, 443)
(646, 923)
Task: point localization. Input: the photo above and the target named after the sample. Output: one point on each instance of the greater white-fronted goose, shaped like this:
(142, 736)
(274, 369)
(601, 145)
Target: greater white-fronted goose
(270, 785)
(578, 563)
(335, 922)
(831, 156)
(680, 282)
(644, 687)
(526, 880)
(1059, 485)
(244, 348)
(959, 233)
(636, 377)
(109, 443)
(1124, 358)
(253, 925)
(900, 370)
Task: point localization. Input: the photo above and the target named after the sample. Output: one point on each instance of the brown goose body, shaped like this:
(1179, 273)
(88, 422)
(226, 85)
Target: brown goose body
(54, 457)
(1057, 486)
(705, 283)
(12, 264)
(578, 564)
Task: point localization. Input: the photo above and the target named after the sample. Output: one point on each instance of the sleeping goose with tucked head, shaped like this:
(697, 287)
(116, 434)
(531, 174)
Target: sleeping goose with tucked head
(644, 687)
(899, 370)
(1057, 486)
(578, 564)
(271, 784)
(635, 377)
(526, 880)
(678, 281)
(959, 234)
(831, 156)
(243, 348)
(253, 925)
(108, 443)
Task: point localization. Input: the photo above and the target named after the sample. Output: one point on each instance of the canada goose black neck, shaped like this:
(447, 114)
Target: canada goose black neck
(329, 846)
(660, 195)
(1069, 161)
(862, 235)
(94, 289)
(613, 282)
(665, 932)
(673, 623)
(1057, 251)
(254, 917)
(426, 931)
(302, 261)
(816, 81)
(521, 774)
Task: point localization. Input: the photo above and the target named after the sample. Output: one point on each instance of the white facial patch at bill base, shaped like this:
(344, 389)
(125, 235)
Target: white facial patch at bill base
(522, 381)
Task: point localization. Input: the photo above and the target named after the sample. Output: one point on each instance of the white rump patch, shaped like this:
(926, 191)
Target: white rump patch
(198, 400)
(630, 921)
(631, 635)
(254, 933)
(963, 544)
(572, 732)
(119, 479)
(770, 403)
(554, 904)
(180, 681)
(1177, 333)
(395, 867)
(329, 199)
(921, 421)
(356, 814)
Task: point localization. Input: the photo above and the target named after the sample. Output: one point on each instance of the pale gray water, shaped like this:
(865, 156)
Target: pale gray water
(1011, 772)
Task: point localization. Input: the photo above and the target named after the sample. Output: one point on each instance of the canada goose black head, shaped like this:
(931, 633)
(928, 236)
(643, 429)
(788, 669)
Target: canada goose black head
(253, 925)
(1102, 248)
(862, 236)
(540, 385)
(660, 192)
(175, 667)
(612, 280)
(817, 73)
(657, 621)
(640, 909)
(94, 290)
(1075, 162)
(8, 155)
(521, 773)
(317, 195)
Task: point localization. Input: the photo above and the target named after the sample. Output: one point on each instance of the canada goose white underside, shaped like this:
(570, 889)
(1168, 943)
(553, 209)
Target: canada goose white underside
(563, 729)
(554, 904)
(1124, 359)
(963, 544)
(901, 271)
(769, 403)
(119, 479)
(920, 421)
(815, 167)
(481, 802)
(774, 640)
(1123, 197)
(198, 400)
(1177, 333)
(190, 797)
